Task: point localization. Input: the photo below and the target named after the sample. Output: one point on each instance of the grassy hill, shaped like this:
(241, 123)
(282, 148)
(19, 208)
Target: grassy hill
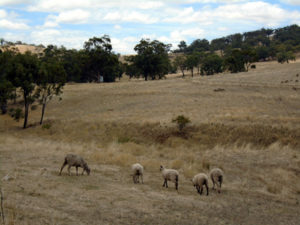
(22, 48)
(247, 123)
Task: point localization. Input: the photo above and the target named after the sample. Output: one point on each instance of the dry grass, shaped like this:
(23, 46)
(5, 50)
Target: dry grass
(251, 130)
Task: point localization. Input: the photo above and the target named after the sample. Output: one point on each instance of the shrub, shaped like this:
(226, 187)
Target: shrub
(123, 140)
(33, 107)
(16, 113)
(181, 121)
(46, 126)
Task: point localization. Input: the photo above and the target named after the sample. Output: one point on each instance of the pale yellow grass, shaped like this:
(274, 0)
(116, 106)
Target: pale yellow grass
(250, 130)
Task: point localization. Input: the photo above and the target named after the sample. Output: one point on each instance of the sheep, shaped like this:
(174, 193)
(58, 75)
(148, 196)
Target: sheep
(171, 175)
(199, 180)
(77, 161)
(216, 176)
(137, 172)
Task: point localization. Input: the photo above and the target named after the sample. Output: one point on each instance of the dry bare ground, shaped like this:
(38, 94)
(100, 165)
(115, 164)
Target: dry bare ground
(248, 124)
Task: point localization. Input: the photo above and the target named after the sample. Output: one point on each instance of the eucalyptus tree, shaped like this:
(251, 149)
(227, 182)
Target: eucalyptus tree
(152, 58)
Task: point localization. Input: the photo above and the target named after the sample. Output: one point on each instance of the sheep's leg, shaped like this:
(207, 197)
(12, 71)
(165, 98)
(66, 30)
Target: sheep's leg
(166, 183)
(62, 167)
(206, 188)
(76, 170)
(201, 190)
(213, 184)
(133, 178)
(69, 167)
(176, 183)
(198, 189)
(220, 180)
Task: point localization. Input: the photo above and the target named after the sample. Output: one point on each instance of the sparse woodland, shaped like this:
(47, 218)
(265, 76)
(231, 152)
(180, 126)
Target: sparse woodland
(242, 120)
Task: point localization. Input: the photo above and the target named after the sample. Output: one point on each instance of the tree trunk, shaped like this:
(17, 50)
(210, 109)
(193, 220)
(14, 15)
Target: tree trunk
(182, 73)
(26, 113)
(43, 112)
(3, 107)
(146, 77)
(15, 97)
(192, 70)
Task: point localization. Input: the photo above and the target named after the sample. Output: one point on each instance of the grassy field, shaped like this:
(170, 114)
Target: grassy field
(248, 124)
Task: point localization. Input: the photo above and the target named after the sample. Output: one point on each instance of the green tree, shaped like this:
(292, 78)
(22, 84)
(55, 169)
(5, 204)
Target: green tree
(130, 67)
(101, 61)
(182, 46)
(285, 56)
(152, 58)
(262, 53)
(6, 93)
(199, 56)
(219, 44)
(180, 62)
(191, 62)
(249, 57)
(50, 81)
(235, 61)
(23, 71)
(212, 64)
(198, 45)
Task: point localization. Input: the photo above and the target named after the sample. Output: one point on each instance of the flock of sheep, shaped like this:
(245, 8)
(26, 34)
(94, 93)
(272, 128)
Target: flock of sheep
(199, 180)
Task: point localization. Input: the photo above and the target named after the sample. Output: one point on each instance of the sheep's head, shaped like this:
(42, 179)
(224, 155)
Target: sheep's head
(87, 169)
(161, 168)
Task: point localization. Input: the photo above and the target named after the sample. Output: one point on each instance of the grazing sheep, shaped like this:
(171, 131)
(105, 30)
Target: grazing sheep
(77, 161)
(137, 172)
(171, 175)
(216, 176)
(199, 180)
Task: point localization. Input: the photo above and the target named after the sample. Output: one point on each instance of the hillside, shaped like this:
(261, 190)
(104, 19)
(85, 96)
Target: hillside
(246, 123)
(22, 48)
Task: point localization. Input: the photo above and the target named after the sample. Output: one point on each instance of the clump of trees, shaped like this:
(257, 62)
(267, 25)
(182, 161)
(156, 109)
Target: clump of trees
(152, 60)
(39, 78)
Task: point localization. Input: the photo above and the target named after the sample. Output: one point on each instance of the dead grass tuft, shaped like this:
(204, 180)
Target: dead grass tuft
(273, 189)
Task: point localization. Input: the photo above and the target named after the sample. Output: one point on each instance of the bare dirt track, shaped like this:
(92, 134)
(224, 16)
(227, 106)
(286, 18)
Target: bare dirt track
(248, 124)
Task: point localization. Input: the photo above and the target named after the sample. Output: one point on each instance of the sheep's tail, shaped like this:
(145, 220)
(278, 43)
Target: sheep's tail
(176, 182)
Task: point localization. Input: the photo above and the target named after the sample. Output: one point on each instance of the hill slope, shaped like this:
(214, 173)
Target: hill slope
(250, 129)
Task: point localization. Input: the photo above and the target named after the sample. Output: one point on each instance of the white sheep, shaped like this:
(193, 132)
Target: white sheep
(77, 161)
(137, 172)
(199, 180)
(216, 176)
(171, 175)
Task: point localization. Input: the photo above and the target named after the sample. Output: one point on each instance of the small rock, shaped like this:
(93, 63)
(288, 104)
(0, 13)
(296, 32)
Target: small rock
(43, 172)
(219, 89)
(8, 178)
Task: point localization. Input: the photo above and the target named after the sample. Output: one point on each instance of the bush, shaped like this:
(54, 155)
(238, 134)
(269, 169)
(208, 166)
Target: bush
(46, 126)
(17, 113)
(284, 56)
(34, 107)
(181, 121)
(212, 64)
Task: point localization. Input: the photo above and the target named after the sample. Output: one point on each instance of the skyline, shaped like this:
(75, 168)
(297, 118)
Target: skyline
(71, 23)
